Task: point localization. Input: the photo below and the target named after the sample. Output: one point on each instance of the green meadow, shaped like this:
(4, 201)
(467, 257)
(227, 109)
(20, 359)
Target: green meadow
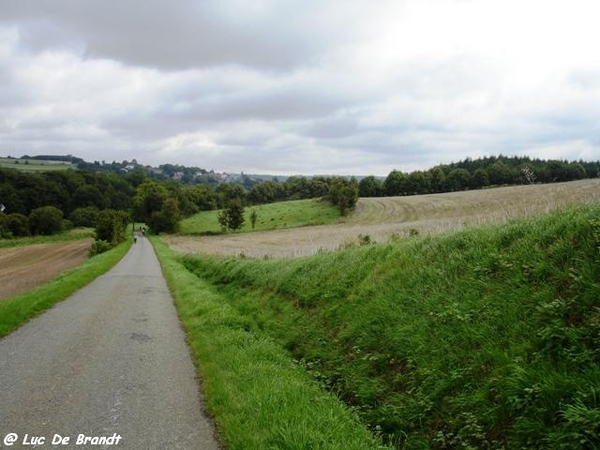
(290, 214)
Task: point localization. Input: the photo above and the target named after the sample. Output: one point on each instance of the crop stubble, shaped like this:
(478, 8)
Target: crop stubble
(383, 218)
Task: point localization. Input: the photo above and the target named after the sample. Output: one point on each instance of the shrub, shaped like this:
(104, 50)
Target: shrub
(84, 217)
(110, 226)
(98, 247)
(17, 224)
(4, 230)
(46, 220)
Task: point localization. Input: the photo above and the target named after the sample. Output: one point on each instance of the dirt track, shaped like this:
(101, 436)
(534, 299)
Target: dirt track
(24, 268)
(382, 218)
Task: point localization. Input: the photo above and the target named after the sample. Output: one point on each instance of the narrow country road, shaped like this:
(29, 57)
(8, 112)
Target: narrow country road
(109, 361)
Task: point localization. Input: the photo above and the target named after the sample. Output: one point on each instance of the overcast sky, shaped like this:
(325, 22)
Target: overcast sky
(300, 87)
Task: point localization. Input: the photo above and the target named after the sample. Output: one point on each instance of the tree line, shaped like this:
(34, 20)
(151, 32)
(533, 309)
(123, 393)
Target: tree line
(78, 197)
(60, 199)
(477, 174)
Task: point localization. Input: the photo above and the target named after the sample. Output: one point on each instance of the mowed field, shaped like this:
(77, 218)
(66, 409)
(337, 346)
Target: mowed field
(24, 268)
(34, 165)
(398, 217)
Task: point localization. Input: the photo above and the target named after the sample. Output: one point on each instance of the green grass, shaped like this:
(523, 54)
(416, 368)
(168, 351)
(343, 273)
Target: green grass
(486, 338)
(34, 165)
(259, 397)
(15, 311)
(71, 235)
(290, 214)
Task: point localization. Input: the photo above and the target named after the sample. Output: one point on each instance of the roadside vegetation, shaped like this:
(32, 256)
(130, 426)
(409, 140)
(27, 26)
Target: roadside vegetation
(483, 338)
(259, 397)
(290, 214)
(15, 311)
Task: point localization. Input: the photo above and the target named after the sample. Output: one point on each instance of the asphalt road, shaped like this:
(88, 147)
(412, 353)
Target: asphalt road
(109, 361)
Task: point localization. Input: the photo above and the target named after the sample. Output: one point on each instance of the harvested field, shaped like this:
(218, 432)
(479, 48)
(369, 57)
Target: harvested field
(24, 268)
(383, 218)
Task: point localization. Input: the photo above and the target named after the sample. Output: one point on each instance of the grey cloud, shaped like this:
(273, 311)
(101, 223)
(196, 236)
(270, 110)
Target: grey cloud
(172, 35)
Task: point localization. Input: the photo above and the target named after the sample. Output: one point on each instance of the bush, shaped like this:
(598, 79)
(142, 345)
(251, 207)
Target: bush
(17, 224)
(98, 247)
(343, 194)
(84, 217)
(4, 230)
(46, 220)
(110, 226)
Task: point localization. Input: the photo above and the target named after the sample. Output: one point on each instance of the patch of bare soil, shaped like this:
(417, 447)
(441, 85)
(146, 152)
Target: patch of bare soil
(384, 218)
(25, 268)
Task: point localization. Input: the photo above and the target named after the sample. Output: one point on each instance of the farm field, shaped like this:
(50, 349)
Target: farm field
(281, 215)
(34, 165)
(25, 268)
(389, 217)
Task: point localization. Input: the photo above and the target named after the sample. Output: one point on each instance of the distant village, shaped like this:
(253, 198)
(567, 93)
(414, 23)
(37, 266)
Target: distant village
(184, 174)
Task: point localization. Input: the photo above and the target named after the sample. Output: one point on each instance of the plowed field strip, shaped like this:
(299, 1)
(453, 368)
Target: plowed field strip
(24, 268)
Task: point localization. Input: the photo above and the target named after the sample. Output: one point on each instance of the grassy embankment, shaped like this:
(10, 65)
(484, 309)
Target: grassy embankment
(485, 338)
(15, 311)
(290, 214)
(260, 398)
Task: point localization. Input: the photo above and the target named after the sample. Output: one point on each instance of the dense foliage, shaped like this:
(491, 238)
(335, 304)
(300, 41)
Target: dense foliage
(162, 201)
(477, 174)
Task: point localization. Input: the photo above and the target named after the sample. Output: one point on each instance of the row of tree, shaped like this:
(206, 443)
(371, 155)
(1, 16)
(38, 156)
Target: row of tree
(81, 195)
(477, 174)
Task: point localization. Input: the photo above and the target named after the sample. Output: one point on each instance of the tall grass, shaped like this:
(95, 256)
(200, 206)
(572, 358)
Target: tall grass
(17, 310)
(484, 338)
(259, 397)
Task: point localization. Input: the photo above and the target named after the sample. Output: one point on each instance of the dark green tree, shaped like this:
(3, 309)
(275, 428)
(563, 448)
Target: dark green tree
(149, 198)
(395, 183)
(232, 218)
(18, 224)
(370, 187)
(167, 219)
(84, 217)
(459, 179)
(343, 194)
(46, 220)
(111, 225)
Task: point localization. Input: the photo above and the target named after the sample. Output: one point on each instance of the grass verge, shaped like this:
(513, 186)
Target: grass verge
(15, 311)
(289, 214)
(259, 397)
(485, 338)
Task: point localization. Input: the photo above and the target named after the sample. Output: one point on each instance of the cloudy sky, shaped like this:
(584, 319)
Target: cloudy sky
(300, 87)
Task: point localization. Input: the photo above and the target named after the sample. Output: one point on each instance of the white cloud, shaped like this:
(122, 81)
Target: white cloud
(319, 87)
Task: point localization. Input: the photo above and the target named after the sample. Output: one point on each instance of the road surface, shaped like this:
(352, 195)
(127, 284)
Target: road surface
(108, 362)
